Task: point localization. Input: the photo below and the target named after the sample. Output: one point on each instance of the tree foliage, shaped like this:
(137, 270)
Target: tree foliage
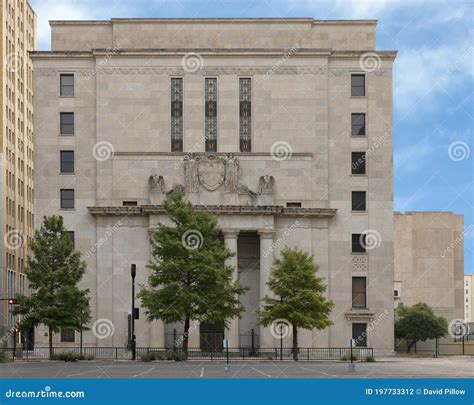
(298, 294)
(419, 323)
(53, 271)
(190, 279)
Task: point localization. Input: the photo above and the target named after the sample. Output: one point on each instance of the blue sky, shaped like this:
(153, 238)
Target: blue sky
(433, 81)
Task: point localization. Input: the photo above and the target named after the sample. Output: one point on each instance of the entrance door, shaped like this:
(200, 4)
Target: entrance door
(211, 337)
(28, 339)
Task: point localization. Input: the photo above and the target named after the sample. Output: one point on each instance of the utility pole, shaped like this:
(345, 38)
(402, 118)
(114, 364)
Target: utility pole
(133, 271)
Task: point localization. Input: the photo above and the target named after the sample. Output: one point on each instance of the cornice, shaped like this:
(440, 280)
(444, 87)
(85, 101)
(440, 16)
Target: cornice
(279, 210)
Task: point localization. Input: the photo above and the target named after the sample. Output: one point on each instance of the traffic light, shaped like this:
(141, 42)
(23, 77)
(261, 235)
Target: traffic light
(12, 301)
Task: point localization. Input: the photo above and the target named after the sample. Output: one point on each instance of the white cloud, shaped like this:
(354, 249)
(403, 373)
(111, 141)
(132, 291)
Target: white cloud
(47, 10)
(421, 74)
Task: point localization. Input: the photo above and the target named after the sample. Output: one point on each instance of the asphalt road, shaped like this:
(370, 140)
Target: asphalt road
(447, 367)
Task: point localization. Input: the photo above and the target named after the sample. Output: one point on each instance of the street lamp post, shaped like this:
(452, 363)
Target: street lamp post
(133, 343)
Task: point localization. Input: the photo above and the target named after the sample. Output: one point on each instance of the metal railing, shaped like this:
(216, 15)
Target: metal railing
(161, 353)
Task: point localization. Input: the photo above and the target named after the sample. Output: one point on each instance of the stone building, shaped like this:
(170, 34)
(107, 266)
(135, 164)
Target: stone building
(281, 127)
(18, 37)
(429, 261)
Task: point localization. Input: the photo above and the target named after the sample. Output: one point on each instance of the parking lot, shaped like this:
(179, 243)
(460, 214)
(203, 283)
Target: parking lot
(447, 367)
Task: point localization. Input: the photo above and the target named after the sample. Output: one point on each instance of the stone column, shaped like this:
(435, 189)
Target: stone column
(266, 261)
(230, 241)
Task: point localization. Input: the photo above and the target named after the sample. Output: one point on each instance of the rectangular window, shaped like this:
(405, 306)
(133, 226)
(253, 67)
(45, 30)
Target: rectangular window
(67, 198)
(359, 292)
(211, 114)
(176, 115)
(67, 161)
(358, 243)
(72, 237)
(245, 111)
(358, 85)
(358, 201)
(67, 335)
(293, 204)
(129, 203)
(66, 88)
(359, 334)
(67, 123)
(358, 124)
(358, 163)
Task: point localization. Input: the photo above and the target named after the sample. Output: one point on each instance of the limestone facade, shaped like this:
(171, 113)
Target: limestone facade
(289, 182)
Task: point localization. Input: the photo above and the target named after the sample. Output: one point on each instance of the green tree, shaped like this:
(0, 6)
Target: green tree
(190, 279)
(419, 323)
(53, 271)
(299, 294)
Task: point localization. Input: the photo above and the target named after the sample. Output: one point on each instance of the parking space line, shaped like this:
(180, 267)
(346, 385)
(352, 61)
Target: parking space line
(261, 372)
(202, 372)
(320, 372)
(144, 372)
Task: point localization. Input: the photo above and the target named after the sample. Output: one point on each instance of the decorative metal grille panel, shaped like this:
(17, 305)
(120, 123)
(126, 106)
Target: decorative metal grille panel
(176, 114)
(211, 114)
(245, 107)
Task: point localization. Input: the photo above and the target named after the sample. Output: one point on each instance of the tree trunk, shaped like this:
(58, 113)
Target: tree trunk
(410, 345)
(185, 338)
(50, 339)
(295, 343)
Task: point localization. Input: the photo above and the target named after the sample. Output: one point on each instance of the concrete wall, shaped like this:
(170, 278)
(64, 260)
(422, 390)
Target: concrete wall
(429, 260)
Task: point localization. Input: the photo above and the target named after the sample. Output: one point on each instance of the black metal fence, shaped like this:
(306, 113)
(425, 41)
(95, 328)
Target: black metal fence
(122, 353)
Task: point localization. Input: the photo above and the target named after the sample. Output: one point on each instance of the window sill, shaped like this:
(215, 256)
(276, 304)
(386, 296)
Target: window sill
(66, 96)
(359, 212)
(359, 97)
(359, 253)
(67, 173)
(66, 134)
(358, 175)
(66, 209)
(359, 136)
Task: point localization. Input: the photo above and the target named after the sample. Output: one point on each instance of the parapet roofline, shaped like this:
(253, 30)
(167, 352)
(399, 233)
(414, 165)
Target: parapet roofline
(220, 52)
(213, 20)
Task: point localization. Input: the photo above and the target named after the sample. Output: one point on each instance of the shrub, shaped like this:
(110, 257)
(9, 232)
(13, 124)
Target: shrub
(370, 359)
(348, 357)
(4, 357)
(148, 357)
(72, 356)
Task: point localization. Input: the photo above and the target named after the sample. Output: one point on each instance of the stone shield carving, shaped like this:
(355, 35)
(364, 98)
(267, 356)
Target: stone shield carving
(211, 172)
